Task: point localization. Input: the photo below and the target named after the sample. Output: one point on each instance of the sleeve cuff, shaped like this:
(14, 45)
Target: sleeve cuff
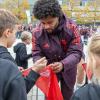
(63, 66)
(33, 75)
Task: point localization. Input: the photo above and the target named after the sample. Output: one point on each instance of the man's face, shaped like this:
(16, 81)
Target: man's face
(50, 23)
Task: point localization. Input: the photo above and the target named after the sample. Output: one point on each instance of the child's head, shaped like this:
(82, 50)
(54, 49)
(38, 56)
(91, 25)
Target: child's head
(8, 25)
(94, 55)
(26, 37)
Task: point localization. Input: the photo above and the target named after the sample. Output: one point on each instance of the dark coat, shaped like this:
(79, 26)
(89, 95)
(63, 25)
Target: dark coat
(30, 79)
(4, 54)
(62, 45)
(21, 55)
(88, 92)
(12, 85)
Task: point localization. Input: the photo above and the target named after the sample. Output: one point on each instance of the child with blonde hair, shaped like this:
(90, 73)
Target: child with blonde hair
(21, 50)
(91, 91)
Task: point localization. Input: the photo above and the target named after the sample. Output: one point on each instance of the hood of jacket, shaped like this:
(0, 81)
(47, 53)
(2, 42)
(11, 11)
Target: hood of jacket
(16, 47)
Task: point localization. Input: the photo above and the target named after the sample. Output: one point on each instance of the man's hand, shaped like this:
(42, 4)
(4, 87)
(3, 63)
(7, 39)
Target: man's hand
(39, 64)
(57, 66)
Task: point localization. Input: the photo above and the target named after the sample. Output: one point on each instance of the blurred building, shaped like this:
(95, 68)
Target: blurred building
(81, 2)
(82, 10)
(1, 1)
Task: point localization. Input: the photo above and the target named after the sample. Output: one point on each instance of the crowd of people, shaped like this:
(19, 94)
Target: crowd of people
(57, 41)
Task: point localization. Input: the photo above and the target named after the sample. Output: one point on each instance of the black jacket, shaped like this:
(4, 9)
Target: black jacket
(30, 79)
(21, 55)
(12, 85)
(88, 92)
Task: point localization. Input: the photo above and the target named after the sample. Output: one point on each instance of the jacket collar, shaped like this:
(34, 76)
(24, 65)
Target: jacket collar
(3, 49)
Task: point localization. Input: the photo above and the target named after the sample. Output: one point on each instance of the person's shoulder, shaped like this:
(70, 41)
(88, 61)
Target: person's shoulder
(70, 24)
(70, 27)
(8, 67)
(5, 62)
(19, 46)
(37, 31)
(82, 91)
(21, 43)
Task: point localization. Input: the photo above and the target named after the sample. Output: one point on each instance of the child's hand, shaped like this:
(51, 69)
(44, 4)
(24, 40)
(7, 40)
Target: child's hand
(39, 64)
(21, 69)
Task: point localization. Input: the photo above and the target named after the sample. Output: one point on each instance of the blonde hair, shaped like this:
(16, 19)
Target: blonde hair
(94, 44)
(93, 48)
(7, 20)
(26, 35)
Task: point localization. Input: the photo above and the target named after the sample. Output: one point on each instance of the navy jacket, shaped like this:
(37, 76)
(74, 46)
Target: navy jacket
(12, 85)
(88, 92)
(30, 79)
(21, 55)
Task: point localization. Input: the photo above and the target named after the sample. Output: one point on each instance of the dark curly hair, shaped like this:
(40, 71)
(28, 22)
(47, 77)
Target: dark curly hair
(44, 8)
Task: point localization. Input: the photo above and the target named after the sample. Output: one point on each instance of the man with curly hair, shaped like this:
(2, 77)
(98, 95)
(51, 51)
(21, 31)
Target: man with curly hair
(57, 38)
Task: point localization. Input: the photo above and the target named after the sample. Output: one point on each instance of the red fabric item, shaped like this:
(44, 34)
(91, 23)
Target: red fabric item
(88, 72)
(84, 66)
(26, 72)
(48, 84)
(54, 90)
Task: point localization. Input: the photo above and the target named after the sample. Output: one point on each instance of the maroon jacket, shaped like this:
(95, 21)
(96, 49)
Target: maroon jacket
(62, 45)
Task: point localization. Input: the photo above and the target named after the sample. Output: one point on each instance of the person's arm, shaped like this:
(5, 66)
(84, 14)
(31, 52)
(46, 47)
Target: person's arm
(30, 80)
(34, 73)
(23, 54)
(74, 52)
(36, 50)
(16, 90)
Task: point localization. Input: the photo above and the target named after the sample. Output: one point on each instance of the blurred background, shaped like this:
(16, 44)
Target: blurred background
(85, 12)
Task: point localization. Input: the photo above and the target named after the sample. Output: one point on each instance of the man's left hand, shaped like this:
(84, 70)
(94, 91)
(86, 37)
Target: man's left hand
(57, 67)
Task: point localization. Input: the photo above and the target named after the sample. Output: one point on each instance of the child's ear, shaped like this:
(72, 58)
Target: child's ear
(7, 33)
